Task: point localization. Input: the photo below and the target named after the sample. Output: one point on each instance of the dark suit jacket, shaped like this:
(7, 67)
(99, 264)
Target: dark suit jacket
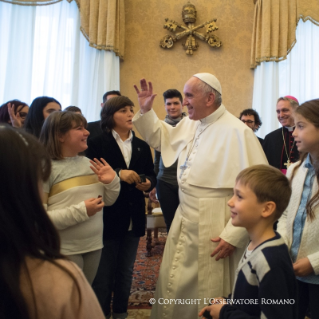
(131, 202)
(95, 129)
(273, 146)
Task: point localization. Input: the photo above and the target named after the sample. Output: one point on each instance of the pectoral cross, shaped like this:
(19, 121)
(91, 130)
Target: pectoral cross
(183, 168)
(288, 163)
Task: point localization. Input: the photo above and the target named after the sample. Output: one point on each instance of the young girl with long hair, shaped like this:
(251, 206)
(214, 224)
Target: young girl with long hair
(300, 223)
(74, 195)
(40, 108)
(124, 221)
(36, 280)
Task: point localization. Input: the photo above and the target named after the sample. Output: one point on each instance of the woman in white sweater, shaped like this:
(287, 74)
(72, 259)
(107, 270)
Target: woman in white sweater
(299, 225)
(76, 193)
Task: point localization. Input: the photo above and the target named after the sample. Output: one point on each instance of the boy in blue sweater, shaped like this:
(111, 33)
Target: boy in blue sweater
(265, 284)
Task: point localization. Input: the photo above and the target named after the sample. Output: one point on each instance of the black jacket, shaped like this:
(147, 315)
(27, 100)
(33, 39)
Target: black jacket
(95, 129)
(273, 146)
(131, 201)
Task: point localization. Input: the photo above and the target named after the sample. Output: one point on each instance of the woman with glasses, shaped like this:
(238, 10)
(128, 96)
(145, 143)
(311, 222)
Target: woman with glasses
(14, 113)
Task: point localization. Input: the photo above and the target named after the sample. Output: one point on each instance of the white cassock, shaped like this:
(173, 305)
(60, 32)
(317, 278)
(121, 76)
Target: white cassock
(219, 147)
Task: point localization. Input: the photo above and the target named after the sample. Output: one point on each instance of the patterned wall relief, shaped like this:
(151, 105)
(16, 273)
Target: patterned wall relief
(172, 68)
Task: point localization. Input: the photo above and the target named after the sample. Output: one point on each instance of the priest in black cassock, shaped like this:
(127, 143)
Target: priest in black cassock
(279, 145)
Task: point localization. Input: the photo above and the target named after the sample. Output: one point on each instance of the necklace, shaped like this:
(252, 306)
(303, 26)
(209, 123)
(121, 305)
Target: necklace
(184, 166)
(286, 151)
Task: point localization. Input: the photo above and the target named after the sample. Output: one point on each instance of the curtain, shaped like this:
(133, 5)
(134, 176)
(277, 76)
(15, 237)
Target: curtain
(298, 76)
(31, 2)
(274, 28)
(102, 21)
(103, 24)
(44, 53)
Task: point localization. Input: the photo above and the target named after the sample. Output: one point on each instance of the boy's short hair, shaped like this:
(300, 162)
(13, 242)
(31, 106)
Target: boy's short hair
(171, 93)
(268, 184)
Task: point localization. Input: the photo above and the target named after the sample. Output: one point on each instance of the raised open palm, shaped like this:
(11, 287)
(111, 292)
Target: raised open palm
(103, 170)
(145, 95)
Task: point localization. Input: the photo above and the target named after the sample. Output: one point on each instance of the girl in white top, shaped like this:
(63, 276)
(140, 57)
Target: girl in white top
(77, 190)
(299, 225)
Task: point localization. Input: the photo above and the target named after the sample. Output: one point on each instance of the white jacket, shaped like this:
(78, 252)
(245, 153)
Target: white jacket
(309, 246)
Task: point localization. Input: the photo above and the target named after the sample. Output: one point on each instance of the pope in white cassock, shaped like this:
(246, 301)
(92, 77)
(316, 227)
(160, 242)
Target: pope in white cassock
(212, 146)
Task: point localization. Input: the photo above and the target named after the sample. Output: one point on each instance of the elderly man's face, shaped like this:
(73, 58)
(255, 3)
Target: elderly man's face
(285, 113)
(195, 100)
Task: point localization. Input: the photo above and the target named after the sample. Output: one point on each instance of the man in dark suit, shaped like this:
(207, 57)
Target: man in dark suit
(95, 127)
(279, 145)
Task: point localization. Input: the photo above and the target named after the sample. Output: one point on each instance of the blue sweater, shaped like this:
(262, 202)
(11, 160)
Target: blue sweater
(265, 285)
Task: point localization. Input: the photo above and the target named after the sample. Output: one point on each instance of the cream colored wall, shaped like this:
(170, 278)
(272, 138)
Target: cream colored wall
(172, 68)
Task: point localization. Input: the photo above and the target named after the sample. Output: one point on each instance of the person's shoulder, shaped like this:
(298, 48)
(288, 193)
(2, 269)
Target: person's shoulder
(55, 279)
(276, 253)
(138, 141)
(93, 124)
(233, 122)
(101, 137)
(273, 134)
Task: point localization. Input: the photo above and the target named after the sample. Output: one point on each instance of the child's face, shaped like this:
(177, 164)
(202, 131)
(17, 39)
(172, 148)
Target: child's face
(123, 118)
(75, 140)
(244, 206)
(306, 135)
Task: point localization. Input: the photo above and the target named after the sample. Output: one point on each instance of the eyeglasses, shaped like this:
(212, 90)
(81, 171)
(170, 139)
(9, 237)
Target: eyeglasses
(248, 121)
(23, 115)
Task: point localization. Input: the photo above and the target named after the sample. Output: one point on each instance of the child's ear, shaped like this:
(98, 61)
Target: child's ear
(61, 138)
(269, 209)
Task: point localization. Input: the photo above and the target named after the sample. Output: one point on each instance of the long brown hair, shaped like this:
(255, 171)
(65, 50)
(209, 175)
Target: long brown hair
(310, 111)
(55, 126)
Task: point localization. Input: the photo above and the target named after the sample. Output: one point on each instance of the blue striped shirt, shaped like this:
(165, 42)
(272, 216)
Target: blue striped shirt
(300, 219)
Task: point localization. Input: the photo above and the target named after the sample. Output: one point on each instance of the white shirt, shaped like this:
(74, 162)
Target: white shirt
(125, 146)
(126, 149)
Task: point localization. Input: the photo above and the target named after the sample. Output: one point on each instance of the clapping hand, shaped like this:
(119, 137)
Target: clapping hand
(103, 170)
(145, 96)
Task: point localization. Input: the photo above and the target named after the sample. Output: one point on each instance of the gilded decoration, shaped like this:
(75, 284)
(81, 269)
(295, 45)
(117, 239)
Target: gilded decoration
(189, 15)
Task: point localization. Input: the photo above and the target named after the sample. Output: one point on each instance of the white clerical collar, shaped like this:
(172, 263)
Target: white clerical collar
(117, 136)
(290, 128)
(211, 118)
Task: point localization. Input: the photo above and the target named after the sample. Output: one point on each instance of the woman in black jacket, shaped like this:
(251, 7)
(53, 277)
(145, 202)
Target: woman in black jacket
(124, 221)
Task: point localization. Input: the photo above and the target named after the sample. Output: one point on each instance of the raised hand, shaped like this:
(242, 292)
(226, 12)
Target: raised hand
(93, 205)
(145, 96)
(103, 170)
(15, 119)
